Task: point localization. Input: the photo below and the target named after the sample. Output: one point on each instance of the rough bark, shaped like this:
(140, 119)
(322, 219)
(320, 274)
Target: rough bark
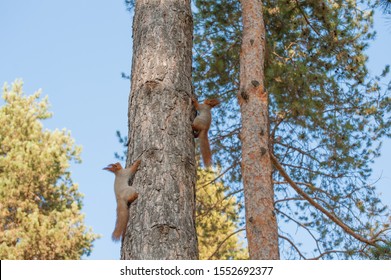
(261, 225)
(162, 220)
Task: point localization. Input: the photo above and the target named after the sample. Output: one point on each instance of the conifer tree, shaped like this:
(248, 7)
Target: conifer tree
(217, 220)
(40, 206)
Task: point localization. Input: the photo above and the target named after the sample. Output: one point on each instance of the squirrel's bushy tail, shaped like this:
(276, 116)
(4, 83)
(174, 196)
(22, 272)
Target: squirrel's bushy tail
(205, 148)
(122, 220)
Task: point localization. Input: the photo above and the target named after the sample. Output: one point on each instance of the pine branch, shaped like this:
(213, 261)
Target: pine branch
(331, 216)
(222, 242)
(219, 176)
(306, 18)
(328, 253)
(303, 226)
(293, 245)
(214, 206)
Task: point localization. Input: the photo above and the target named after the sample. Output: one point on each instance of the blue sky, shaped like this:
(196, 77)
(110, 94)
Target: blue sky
(75, 51)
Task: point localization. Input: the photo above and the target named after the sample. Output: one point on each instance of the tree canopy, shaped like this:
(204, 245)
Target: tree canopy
(217, 220)
(40, 205)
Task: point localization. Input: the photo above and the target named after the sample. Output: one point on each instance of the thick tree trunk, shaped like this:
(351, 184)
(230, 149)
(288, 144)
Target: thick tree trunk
(162, 220)
(261, 225)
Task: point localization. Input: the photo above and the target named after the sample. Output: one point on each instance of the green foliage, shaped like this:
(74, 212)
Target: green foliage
(217, 220)
(39, 204)
(382, 252)
(327, 114)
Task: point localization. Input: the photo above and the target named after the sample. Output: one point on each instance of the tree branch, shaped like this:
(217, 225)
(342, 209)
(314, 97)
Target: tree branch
(303, 226)
(328, 253)
(293, 245)
(217, 177)
(306, 18)
(331, 216)
(214, 206)
(222, 242)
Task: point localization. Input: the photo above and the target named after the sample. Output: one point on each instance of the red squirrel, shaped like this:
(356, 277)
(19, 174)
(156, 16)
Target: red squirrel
(124, 194)
(201, 125)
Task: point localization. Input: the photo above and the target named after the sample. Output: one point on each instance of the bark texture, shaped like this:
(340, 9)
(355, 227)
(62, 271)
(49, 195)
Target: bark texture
(162, 220)
(261, 225)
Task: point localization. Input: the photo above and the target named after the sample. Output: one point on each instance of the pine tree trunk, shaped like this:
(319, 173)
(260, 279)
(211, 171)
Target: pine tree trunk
(162, 220)
(261, 225)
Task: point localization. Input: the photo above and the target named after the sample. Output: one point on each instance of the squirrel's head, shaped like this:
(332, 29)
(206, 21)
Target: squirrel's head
(114, 167)
(212, 102)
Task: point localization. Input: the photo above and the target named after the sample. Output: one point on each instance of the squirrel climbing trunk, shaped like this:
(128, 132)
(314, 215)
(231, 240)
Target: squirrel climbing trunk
(124, 195)
(201, 125)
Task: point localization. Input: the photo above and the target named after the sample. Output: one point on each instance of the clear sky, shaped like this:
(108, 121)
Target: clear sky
(75, 51)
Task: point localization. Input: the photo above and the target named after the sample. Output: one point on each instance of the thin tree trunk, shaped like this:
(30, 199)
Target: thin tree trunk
(261, 225)
(162, 220)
